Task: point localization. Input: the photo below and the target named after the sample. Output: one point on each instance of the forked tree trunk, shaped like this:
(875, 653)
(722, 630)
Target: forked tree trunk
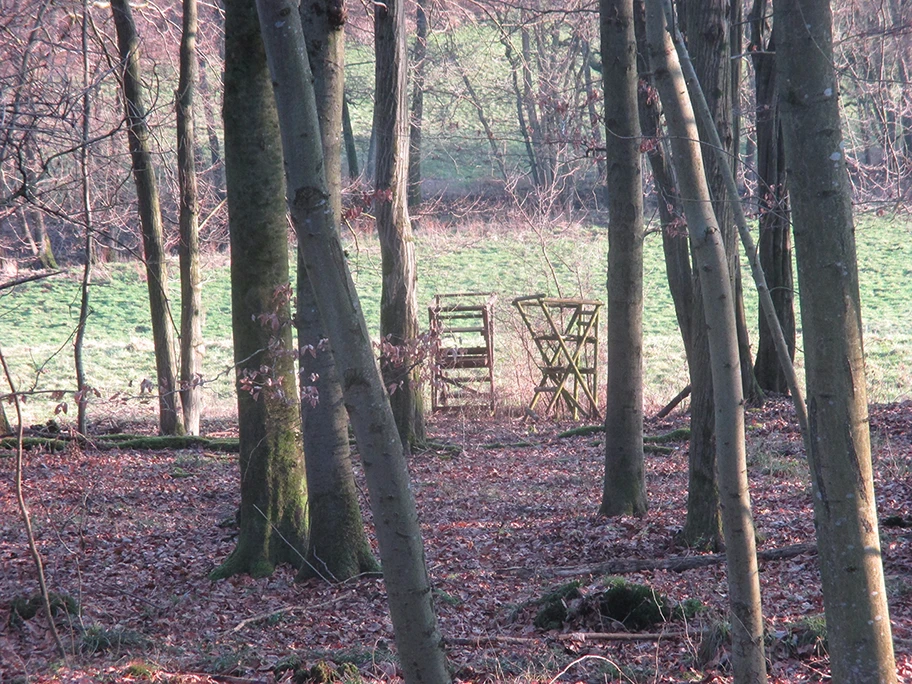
(273, 512)
(170, 419)
(748, 661)
(624, 489)
(702, 525)
(191, 342)
(398, 295)
(838, 446)
(338, 548)
(398, 533)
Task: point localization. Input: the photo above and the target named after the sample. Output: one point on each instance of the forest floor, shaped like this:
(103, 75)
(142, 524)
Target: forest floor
(508, 514)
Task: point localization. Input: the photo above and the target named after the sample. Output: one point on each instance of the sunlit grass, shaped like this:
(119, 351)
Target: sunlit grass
(507, 258)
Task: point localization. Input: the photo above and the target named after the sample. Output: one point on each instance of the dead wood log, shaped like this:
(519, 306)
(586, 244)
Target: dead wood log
(670, 406)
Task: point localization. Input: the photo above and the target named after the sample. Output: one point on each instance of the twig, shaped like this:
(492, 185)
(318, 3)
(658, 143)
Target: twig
(23, 509)
(281, 611)
(21, 281)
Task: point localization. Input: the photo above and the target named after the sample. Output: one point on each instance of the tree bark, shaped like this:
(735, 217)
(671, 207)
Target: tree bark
(398, 296)
(748, 661)
(772, 201)
(708, 33)
(170, 419)
(702, 525)
(838, 446)
(273, 512)
(338, 548)
(416, 121)
(624, 489)
(351, 152)
(191, 341)
(398, 533)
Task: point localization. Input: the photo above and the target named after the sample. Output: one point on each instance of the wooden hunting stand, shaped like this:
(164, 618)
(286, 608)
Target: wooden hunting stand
(462, 357)
(565, 332)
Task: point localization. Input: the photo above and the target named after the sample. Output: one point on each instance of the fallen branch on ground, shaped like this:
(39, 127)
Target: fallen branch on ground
(677, 564)
(571, 636)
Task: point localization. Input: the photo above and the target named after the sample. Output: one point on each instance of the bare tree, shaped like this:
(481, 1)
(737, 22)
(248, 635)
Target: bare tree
(624, 490)
(398, 533)
(838, 446)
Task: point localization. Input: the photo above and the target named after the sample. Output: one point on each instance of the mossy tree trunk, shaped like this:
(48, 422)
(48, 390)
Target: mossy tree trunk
(396, 518)
(838, 444)
(624, 489)
(338, 548)
(139, 138)
(416, 121)
(273, 512)
(398, 295)
(748, 658)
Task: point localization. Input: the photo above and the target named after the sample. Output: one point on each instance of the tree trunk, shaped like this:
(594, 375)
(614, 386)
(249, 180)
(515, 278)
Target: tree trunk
(398, 533)
(708, 25)
(351, 152)
(772, 201)
(191, 341)
(273, 512)
(624, 490)
(338, 548)
(702, 525)
(170, 419)
(838, 446)
(416, 121)
(216, 173)
(748, 660)
(82, 387)
(398, 296)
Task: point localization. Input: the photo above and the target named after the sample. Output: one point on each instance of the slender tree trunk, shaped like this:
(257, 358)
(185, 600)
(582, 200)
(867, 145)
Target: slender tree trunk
(624, 491)
(703, 525)
(338, 547)
(482, 117)
(273, 512)
(708, 24)
(772, 199)
(82, 387)
(398, 296)
(398, 533)
(748, 662)
(191, 342)
(416, 122)
(351, 151)
(216, 172)
(838, 446)
(170, 419)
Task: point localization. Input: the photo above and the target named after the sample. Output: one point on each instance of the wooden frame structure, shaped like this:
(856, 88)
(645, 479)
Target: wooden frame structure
(566, 335)
(462, 356)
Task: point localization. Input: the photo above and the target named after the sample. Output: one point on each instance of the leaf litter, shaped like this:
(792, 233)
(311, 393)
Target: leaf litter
(504, 503)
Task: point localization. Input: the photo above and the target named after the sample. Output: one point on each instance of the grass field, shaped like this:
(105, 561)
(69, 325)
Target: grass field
(37, 320)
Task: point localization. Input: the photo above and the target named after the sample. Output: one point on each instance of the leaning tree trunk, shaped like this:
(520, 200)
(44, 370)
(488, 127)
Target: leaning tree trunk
(398, 533)
(838, 446)
(338, 548)
(170, 419)
(708, 33)
(191, 342)
(624, 489)
(398, 295)
(748, 660)
(273, 512)
(775, 242)
(702, 525)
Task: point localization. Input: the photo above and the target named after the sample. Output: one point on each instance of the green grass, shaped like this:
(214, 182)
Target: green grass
(37, 320)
